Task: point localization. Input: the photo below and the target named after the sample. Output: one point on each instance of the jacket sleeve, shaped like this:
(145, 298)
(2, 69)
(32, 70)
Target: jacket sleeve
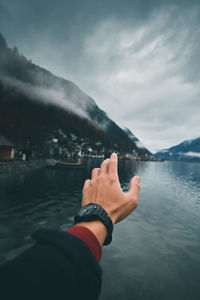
(60, 266)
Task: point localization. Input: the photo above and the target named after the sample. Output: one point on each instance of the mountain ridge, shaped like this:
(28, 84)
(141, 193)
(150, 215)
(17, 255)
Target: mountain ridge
(188, 150)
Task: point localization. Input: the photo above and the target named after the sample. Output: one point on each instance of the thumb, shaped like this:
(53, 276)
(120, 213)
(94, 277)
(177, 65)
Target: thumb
(134, 187)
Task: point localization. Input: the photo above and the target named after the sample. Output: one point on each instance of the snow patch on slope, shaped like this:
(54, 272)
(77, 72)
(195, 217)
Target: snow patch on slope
(164, 151)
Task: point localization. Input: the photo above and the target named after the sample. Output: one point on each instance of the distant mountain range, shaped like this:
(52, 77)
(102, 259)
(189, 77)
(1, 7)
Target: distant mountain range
(189, 150)
(34, 103)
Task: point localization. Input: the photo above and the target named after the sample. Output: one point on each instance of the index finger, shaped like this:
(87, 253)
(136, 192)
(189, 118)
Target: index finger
(113, 165)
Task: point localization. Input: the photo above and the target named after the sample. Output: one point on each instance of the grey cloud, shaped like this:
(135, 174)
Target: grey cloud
(139, 60)
(150, 85)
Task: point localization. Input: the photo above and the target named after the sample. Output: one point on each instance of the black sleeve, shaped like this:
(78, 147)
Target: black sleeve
(60, 266)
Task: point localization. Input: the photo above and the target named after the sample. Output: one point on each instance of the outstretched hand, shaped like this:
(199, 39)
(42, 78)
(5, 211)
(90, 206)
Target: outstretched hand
(104, 189)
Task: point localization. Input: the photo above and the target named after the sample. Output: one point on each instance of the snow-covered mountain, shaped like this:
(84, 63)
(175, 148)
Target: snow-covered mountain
(188, 150)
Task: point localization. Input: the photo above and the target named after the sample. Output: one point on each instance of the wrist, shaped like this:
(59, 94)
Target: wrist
(94, 212)
(113, 216)
(97, 228)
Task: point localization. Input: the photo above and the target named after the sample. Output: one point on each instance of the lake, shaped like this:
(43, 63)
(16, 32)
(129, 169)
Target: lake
(155, 253)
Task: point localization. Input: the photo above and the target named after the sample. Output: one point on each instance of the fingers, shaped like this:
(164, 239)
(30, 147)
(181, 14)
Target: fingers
(112, 168)
(134, 188)
(107, 166)
(95, 173)
(104, 166)
(86, 184)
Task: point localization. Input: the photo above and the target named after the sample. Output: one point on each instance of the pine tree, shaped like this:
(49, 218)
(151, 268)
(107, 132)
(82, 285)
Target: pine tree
(15, 51)
(3, 43)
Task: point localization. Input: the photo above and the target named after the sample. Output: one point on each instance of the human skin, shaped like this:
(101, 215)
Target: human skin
(104, 189)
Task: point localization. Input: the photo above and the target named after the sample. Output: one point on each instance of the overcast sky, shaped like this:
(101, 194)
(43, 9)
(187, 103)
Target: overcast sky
(138, 59)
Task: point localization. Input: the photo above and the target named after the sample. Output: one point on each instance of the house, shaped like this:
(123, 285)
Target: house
(6, 149)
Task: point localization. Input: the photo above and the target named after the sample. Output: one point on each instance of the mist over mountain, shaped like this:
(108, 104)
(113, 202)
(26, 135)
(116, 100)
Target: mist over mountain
(136, 141)
(34, 102)
(188, 150)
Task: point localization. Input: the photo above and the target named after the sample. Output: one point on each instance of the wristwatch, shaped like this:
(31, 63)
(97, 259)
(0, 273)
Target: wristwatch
(92, 212)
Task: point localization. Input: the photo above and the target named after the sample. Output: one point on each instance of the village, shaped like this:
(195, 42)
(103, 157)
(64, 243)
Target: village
(58, 145)
(62, 146)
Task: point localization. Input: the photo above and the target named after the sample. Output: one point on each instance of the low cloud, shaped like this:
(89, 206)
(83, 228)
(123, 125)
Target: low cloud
(192, 154)
(54, 95)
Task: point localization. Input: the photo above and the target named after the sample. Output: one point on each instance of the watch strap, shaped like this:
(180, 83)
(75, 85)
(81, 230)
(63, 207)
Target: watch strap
(98, 213)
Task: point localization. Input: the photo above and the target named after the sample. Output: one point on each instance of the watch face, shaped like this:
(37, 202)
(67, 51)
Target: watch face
(86, 210)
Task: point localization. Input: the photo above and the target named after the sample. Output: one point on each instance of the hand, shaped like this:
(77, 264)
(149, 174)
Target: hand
(104, 189)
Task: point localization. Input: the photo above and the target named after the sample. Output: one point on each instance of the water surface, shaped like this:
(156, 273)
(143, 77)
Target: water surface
(155, 253)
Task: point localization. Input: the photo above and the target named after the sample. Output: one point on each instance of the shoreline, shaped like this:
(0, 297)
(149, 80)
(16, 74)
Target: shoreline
(16, 167)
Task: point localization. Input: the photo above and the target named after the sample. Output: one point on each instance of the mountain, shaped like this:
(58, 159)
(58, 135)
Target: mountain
(188, 150)
(34, 103)
(136, 141)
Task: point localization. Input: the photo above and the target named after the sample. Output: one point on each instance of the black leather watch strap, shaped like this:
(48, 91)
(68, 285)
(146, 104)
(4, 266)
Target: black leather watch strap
(92, 212)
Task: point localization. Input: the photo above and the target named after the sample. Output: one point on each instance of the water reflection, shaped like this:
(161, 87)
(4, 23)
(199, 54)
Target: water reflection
(155, 251)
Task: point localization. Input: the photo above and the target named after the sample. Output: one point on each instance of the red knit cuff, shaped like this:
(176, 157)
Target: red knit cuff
(88, 237)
